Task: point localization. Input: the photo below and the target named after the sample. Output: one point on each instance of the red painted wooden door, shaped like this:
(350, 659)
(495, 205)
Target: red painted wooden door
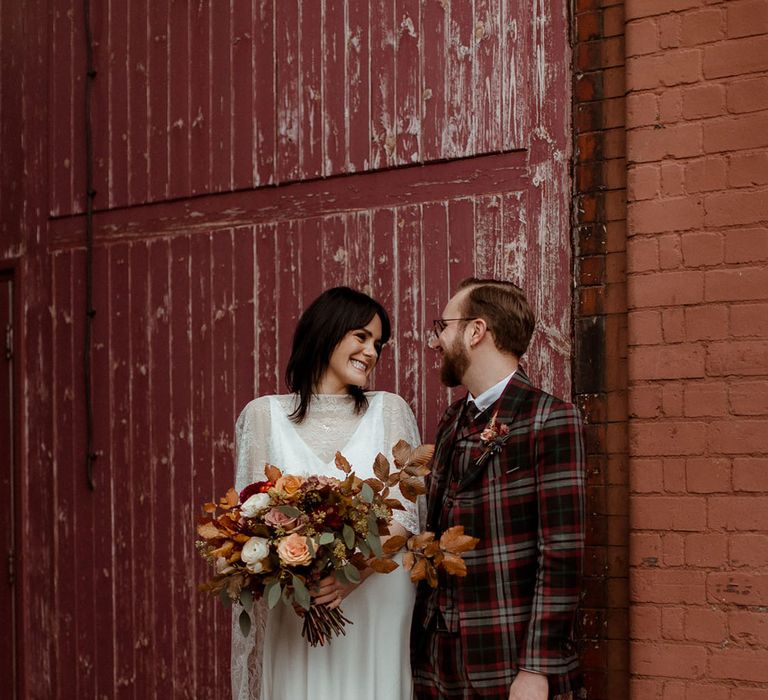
(248, 156)
(8, 505)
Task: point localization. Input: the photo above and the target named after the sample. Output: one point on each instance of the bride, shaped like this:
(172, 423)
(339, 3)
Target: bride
(336, 345)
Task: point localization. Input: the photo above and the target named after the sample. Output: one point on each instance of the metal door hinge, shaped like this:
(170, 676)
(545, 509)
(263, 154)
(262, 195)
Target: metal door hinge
(8, 342)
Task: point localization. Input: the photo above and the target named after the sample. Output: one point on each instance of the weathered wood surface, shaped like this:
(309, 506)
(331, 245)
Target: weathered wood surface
(246, 159)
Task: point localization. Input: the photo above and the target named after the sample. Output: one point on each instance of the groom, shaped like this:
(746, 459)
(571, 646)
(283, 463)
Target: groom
(509, 467)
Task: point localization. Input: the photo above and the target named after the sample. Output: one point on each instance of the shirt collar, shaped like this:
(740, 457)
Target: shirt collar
(490, 396)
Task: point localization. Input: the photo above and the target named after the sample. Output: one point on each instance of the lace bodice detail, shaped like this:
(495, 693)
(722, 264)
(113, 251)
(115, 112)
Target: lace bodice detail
(265, 435)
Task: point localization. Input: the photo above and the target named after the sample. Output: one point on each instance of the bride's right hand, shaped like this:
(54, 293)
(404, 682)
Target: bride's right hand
(330, 592)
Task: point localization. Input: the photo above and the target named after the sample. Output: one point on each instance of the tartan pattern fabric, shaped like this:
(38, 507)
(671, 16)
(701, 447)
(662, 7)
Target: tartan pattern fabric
(516, 607)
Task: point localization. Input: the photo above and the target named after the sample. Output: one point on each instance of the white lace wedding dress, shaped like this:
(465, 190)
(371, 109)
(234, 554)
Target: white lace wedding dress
(372, 660)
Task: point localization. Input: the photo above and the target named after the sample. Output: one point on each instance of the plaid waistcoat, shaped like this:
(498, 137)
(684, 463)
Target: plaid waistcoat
(516, 607)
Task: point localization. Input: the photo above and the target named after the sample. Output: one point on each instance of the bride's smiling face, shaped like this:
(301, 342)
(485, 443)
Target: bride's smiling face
(353, 359)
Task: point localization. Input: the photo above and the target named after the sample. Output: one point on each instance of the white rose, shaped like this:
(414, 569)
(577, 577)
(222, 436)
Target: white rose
(254, 551)
(255, 505)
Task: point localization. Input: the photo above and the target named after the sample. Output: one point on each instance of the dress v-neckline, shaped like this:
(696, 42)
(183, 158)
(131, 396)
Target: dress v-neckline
(346, 445)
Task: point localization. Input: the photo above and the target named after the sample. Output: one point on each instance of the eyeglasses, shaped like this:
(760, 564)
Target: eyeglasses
(440, 324)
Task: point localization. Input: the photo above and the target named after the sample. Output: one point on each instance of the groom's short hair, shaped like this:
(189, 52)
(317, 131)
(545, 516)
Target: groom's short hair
(505, 310)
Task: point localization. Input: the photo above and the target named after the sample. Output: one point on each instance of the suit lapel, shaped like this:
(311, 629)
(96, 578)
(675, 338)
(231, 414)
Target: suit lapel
(441, 460)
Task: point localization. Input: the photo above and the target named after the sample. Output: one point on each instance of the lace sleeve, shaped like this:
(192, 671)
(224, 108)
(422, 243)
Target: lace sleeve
(400, 424)
(251, 454)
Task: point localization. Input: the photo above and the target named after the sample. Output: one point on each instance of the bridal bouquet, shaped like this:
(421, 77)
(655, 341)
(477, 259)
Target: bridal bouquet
(279, 537)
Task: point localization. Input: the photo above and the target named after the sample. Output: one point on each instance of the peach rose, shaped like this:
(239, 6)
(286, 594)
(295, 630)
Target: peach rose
(276, 518)
(289, 484)
(293, 550)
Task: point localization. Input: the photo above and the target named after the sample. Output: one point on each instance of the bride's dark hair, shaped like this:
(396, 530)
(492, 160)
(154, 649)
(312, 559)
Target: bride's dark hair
(320, 329)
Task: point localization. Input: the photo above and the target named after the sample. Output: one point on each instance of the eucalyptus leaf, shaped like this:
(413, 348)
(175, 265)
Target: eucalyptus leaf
(226, 601)
(364, 548)
(326, 538)
(366, 493)
(246, 599)
(374, 542)
(301, 594)
(272, 593)
(245, 623)
(311, 546)
(289, 511)
(372, 524)
(349, 537)
(352, 574)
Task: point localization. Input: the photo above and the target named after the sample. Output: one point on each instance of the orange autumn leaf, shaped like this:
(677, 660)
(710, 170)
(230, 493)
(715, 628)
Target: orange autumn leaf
(419, 570)
(230, 499)
(342, 463)
(408, 560)
(421, 455)
(381, 467)
(393, 544)
(455, 541)
(454, 565)
(272, 472)
(208, 531)
(382, 566)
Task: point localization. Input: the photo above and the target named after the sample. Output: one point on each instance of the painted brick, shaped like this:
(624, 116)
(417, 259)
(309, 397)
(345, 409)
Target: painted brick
(645, 689)
(748, 550)
(736, 57)
(739, 664)
(748, 95)
(660, 215)
(736, 207)
(671, 106)
(702, 27)
(681, 513)
(751, 474)
(665, 289)
(642, 37)
(644, 328)
(643, 182)
(678, 141)
(736, 133)
(667, 361)
(747, 169)
(744, 358)
(672, 179)
(644, 549)
(705, 691)
(707, 100)
(706, 625)
(647, 475)
(673, 324)
(645, 622)
(648, 8)
(706, 175)
(739, 513)
(669, 31)
(672, 623)
(747, 18)
(670, 254)
(674, 474)
(672, 399)
(672, 552)
(702, 248)
(749, 398)
(748, 693)
(706, 399)
(668, 660)
(749, 320)
(706, 322)
(740, 436)
(740, 284)
(749, 627)
(708, 475)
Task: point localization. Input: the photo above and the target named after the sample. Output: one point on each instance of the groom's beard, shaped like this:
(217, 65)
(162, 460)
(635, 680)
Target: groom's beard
(455, 363)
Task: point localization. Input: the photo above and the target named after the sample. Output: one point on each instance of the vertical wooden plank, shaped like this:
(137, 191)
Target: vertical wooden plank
(245, 283)
(119, 162)
(358, 250)
(288, 89)
(489, 260)
(162, 488)
(264, 95)
(220, 49)
(334, 89)
(243, 70)
(179, 80)
(77, 204)
(310, 74)
(358, 94)
(61, 113)
(334, 251)
(200, 96)
(458, 139)
(409, 304)
(65, 605)
(201, 400)
(267, 323)
(383, 112)
(104, 575)
(158, 122)
(100, 122)
(310, 260)
(461, 240)
(486, 79)
(408, 82)
(434, 65)
(435, 285)
(286, 293)
(515, 67)
(385, 280)
(143, 532)
(121, 459)
(138, 100)
(183, 507)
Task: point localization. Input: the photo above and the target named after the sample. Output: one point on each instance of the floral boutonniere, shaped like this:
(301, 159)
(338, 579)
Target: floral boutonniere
(492, 438)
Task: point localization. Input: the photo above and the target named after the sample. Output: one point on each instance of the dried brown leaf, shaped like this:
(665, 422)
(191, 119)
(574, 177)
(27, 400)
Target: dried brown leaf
(416, 470)
(401, 453)
(419, 542)
(272, 473)
(381, 467)
(419, 570)
(224, 550)
(431, 574)
(342, 463)
(383, 565)
(432, 549)
(409, 559)
(455, 541)
(394, 504)
(454, 565)
(230, 499)
(393, 544)
(209, 508)
(208, 531)
(412, 487)
(421, 455)
(375, 484)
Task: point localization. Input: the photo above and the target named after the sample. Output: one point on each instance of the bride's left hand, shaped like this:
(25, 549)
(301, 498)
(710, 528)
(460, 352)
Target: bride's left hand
(331, 592)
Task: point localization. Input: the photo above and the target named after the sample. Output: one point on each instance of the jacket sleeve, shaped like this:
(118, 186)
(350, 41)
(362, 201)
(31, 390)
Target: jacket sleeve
(560, 492)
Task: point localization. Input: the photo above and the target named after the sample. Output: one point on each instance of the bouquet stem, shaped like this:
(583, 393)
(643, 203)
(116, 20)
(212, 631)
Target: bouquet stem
(322, 623)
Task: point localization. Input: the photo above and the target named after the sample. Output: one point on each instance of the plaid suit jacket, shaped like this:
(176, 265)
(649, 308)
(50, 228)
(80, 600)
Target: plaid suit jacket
(526, 503)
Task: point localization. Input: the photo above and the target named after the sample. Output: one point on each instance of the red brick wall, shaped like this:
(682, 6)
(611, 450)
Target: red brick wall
(697, 294)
